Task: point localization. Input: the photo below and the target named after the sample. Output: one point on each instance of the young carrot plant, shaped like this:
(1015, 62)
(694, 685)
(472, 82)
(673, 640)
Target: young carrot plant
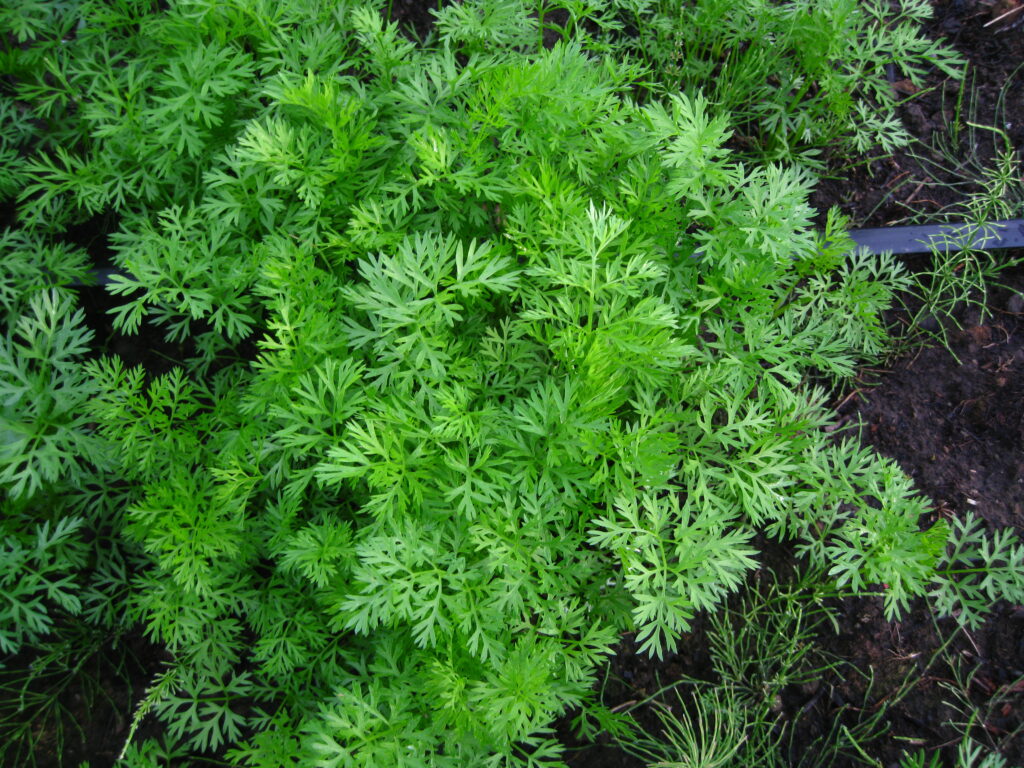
(489, 362)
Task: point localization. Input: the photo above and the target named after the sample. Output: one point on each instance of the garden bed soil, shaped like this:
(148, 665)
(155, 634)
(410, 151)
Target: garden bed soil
(952, 418)
(958, 429)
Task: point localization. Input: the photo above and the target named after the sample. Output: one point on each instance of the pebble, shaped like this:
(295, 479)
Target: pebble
(971, 316)
(1016, 303)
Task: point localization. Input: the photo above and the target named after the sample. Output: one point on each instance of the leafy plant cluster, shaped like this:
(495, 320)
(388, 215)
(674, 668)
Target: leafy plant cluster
(765, 643)
(798, 77)
(494, 354)
(989, 184)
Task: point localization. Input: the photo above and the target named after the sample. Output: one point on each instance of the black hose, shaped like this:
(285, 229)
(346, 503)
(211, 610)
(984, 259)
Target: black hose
(1008, 233)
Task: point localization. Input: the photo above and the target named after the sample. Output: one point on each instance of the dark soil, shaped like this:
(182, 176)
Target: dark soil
(958, 429)
(78, 704)
(953, 422)
(949, 157)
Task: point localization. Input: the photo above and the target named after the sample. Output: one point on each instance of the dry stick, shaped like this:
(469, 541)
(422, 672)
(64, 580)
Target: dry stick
(914, 193)
(623, 705)
(897, 178)
(846, 399)
(1002, 16)
(973, 644)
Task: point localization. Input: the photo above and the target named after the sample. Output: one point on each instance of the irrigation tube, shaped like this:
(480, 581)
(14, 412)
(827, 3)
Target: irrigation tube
(1008, 233)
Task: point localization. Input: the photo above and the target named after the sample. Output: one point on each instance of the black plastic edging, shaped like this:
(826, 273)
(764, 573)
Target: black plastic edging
(1008, 233)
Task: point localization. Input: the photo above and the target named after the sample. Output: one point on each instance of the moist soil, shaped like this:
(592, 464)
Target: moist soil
(957, 427)
(952, 418)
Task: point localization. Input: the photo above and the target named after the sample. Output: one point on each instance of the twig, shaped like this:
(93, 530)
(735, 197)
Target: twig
(974, 644)
(895, 179)
(936, 203)
(846, 399)
(1002, 16)
(914, 193)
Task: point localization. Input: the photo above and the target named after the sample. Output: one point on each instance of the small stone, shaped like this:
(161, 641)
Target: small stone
(1015, 304)
(980, 333)
(916, 118)
(905, 87)
(811, 687)
(971, 317)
